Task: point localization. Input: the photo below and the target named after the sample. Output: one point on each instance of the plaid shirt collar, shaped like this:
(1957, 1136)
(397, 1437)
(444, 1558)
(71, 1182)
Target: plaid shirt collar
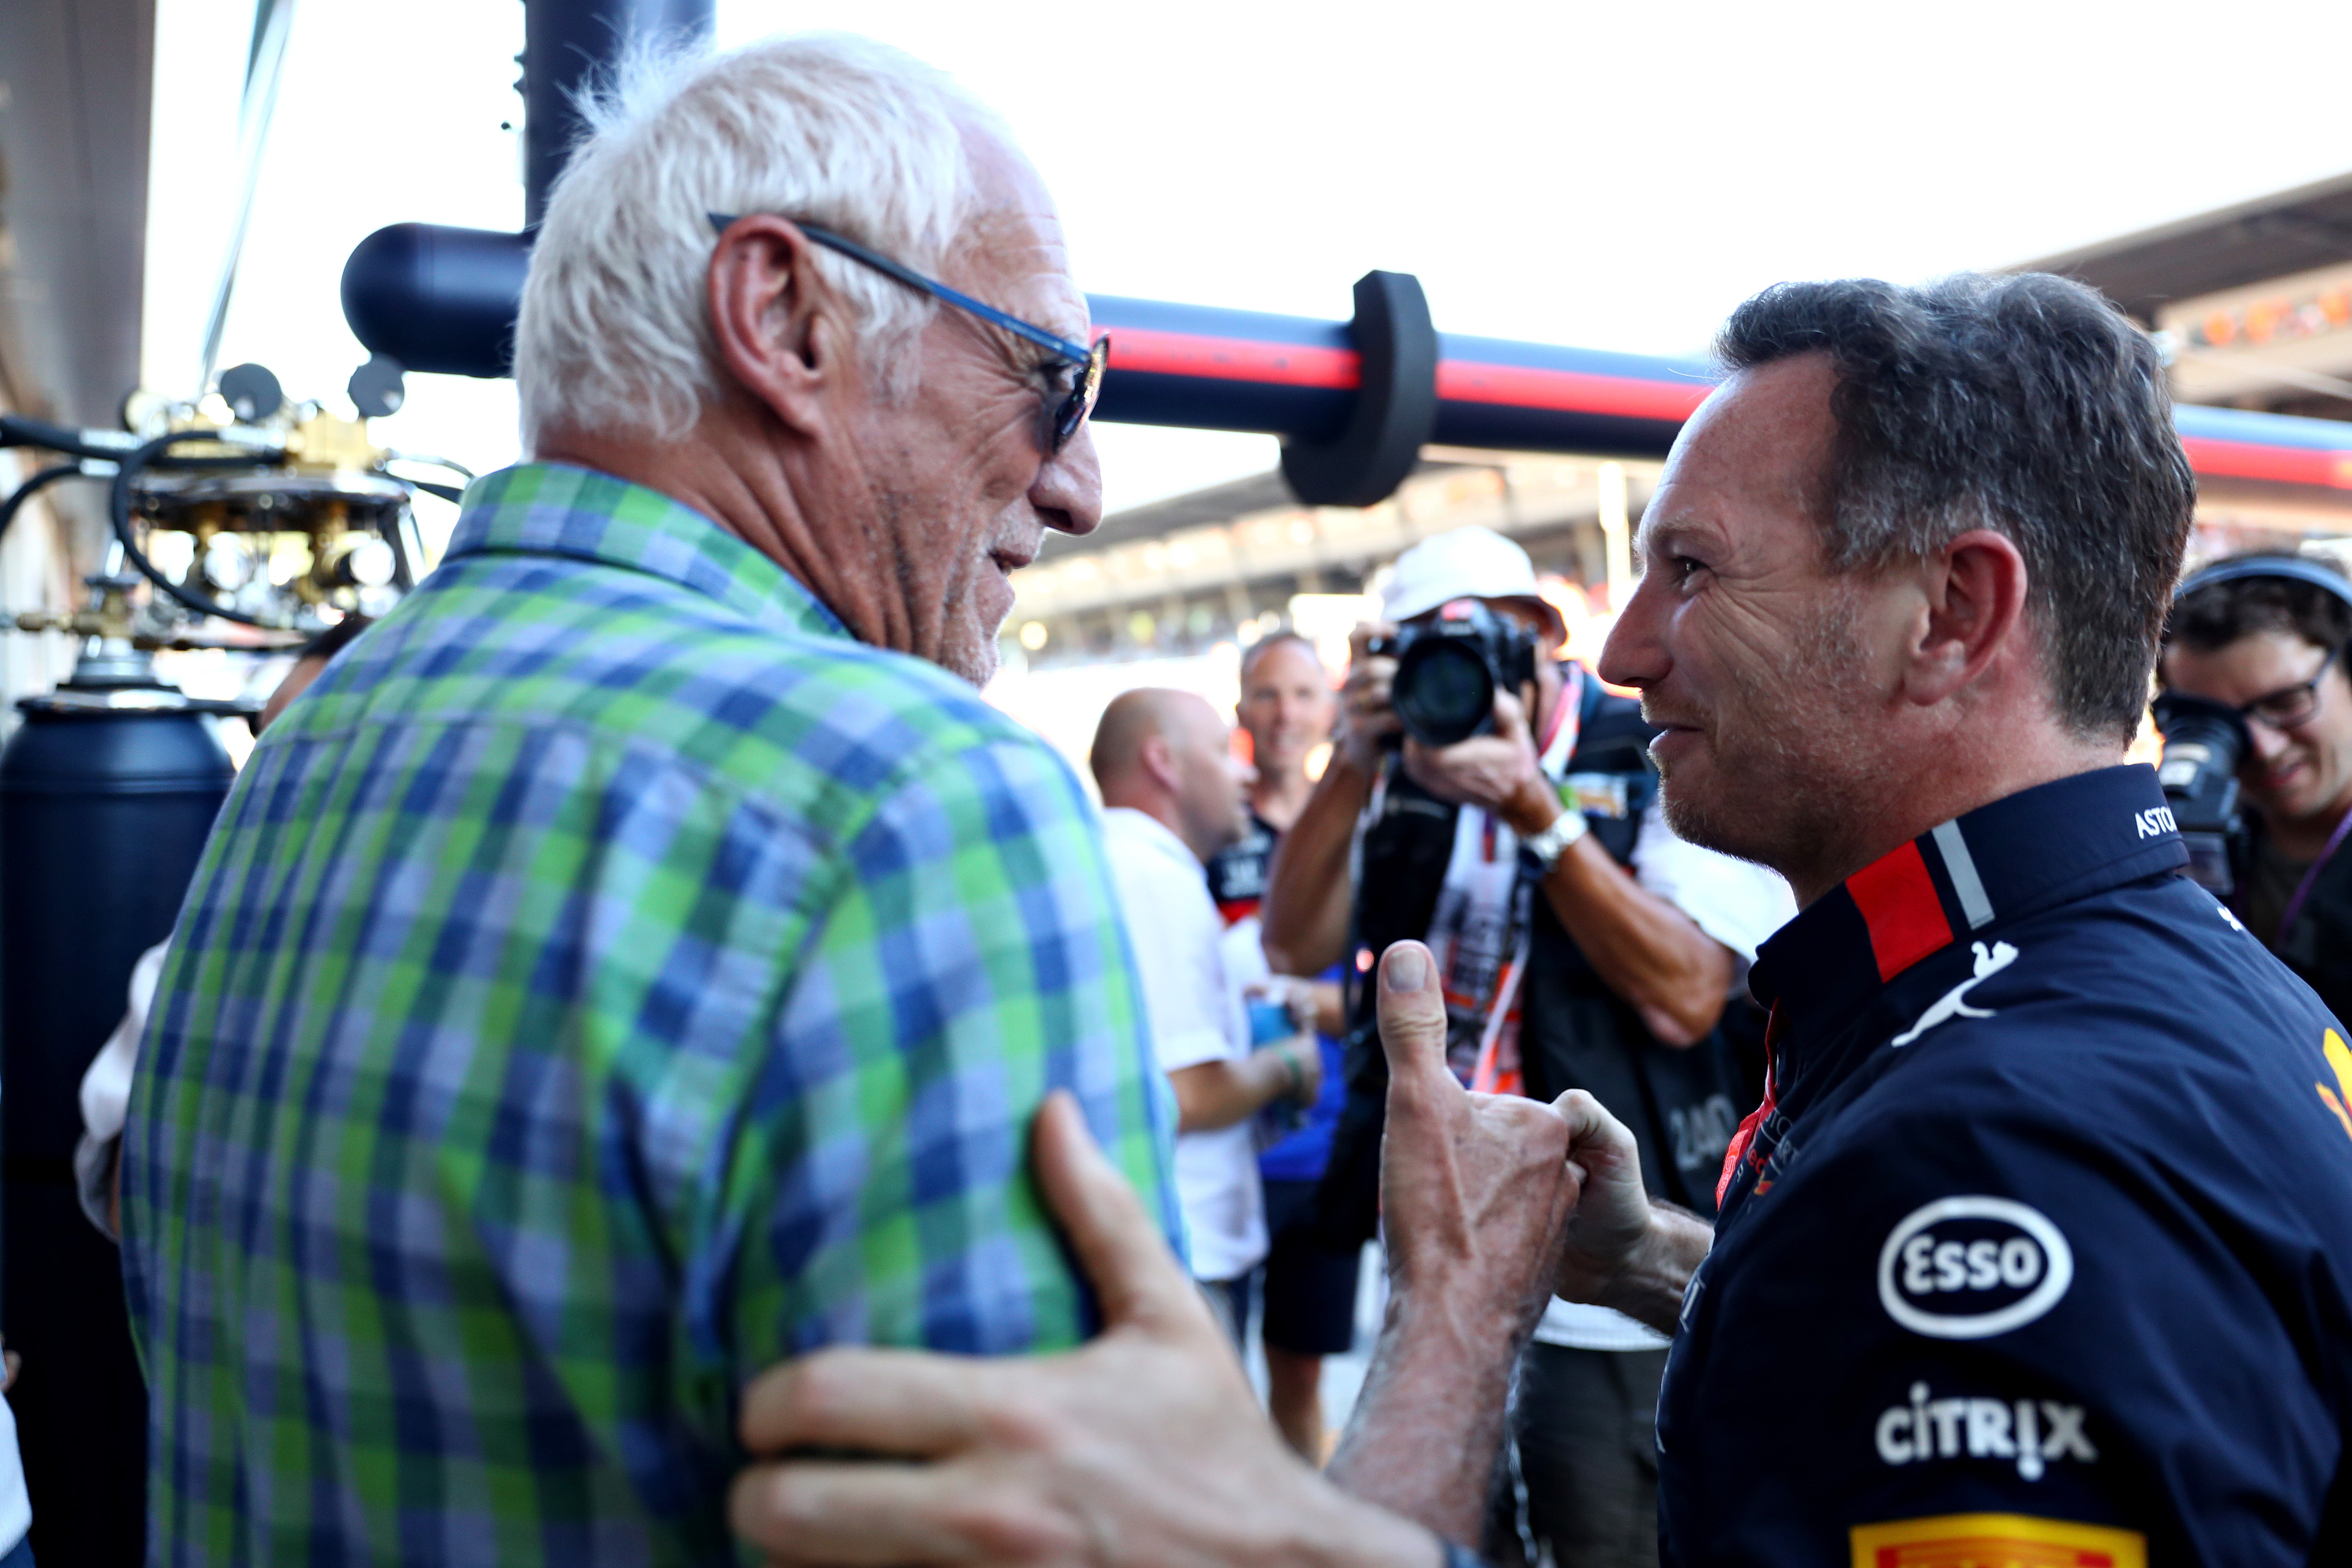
(553, 509)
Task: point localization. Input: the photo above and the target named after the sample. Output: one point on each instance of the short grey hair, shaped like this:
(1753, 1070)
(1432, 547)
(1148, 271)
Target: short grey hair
(2028, 405)
(615, 337)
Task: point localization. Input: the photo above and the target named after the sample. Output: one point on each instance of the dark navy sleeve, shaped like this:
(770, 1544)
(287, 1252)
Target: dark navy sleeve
(1989, 1326)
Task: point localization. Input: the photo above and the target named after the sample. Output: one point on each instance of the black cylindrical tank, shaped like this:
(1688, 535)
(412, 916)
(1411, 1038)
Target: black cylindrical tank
(104, 804)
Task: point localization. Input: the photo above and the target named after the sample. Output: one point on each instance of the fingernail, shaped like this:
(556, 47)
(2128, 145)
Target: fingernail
(1407, 969)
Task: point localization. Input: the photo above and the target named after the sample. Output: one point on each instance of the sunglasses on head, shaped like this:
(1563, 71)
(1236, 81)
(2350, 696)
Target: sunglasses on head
(1089, 363)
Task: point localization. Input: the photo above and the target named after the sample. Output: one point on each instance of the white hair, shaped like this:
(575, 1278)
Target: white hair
(615, 337)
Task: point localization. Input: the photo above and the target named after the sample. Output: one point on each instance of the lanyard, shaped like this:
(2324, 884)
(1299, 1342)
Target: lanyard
(1490, 1075)
(2302, 889)
(1559, 742)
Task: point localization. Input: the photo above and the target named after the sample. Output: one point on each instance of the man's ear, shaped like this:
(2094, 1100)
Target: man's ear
(782, 333)
(1157, 758)
(1975, 590)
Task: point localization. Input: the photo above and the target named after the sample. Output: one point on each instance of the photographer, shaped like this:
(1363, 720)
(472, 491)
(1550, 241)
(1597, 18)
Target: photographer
(2260, 639)
(1614, 980)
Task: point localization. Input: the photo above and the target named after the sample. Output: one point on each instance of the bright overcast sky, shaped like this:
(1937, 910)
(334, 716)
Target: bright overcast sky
(1611, 176)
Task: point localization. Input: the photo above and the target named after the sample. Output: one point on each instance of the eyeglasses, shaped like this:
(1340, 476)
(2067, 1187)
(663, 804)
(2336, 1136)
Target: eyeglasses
(1085, 388)
(2289, 705)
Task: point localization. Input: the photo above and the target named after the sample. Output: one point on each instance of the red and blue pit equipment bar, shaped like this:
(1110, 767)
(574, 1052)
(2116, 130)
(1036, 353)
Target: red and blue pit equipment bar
(2234, 448)
(1297, 377)
(443, 300)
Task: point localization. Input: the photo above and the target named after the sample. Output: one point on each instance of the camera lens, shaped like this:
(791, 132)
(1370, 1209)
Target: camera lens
(1444, 692)
(2204, 742)
(2201, 740)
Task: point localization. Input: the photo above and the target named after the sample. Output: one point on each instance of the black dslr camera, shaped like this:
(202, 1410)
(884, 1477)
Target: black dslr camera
(1449, 668)
(2204, 741)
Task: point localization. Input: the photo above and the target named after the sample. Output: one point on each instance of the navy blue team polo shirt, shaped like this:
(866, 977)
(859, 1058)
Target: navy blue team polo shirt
(2039, 1249)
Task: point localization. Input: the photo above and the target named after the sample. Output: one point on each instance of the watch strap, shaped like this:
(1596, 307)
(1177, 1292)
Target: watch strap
(1555, 841)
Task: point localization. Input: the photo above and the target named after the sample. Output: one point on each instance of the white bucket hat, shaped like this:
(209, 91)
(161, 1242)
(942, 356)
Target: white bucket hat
(1466, 563)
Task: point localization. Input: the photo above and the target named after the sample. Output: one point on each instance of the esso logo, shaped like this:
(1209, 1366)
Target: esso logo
(1969, 1267)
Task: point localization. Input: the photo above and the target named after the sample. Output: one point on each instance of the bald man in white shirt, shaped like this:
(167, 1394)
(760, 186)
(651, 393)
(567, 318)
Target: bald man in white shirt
(1173, 795)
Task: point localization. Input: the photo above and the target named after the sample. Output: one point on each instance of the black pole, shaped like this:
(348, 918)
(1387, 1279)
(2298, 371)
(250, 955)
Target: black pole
(567, 45)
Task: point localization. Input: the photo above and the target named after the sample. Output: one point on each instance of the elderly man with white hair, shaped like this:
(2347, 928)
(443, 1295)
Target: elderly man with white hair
(641, 957)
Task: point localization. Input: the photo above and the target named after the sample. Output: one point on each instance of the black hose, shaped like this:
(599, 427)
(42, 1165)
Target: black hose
(15, 430)
(42, 479)
(119, 514)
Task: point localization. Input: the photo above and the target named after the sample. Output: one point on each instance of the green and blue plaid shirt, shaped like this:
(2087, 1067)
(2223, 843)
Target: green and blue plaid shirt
(609, 979)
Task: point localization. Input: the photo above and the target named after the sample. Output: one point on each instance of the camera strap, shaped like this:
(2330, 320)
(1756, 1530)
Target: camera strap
(1493, 1075)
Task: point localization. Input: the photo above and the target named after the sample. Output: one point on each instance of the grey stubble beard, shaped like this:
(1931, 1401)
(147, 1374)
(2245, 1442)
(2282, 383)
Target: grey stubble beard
(1795, 754)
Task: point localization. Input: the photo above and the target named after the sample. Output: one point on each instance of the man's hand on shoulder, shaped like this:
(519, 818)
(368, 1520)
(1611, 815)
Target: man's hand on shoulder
(1145, 1446)
(1145, 1449)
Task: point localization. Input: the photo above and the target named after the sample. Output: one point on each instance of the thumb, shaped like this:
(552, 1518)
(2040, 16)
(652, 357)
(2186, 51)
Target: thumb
(1596, 1139)
(1608, 1164)
(1412, 1016)
(1122, 1252)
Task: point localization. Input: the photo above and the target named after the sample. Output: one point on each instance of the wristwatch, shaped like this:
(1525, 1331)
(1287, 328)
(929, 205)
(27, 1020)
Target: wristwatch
(1552, 843)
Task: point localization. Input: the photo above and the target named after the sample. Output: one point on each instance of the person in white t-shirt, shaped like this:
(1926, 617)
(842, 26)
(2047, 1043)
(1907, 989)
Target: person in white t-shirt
(1172, 796)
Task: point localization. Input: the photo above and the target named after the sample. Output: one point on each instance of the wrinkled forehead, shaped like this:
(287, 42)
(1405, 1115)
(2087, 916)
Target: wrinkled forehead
(1013, 247)
(1763, 445)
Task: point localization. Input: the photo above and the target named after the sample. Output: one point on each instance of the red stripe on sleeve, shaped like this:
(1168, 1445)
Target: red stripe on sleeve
(1898, 902)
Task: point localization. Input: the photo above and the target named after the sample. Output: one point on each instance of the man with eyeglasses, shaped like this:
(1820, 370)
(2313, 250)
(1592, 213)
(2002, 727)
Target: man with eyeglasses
(641, 958)
(2271, 646)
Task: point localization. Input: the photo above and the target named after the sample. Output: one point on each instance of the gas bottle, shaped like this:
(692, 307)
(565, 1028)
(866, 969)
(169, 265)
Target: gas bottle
(107, 791)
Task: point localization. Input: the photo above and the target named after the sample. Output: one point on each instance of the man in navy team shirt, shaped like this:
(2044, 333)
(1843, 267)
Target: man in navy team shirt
(2039, 1248)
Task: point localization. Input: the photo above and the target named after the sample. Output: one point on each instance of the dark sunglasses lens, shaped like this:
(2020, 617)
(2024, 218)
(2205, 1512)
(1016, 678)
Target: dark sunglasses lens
(1083, 393)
